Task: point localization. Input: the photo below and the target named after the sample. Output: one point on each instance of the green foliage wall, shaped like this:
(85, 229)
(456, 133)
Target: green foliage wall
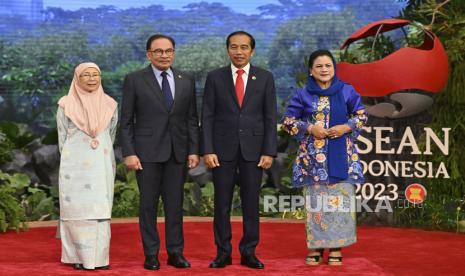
(444, 207)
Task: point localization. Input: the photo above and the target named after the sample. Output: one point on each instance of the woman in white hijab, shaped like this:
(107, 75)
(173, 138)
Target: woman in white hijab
(86, 123)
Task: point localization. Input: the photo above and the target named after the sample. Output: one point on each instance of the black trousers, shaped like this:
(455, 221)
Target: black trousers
(249, 177)
(165, 179)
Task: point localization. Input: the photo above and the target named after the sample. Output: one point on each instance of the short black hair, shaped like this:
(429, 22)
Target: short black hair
(320, 53)
(252, 40)
(158, 36)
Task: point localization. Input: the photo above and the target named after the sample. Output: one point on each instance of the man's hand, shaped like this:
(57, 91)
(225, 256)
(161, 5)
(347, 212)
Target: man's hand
(132, 162)
(192, 161)
(211, 160)
(265, 161)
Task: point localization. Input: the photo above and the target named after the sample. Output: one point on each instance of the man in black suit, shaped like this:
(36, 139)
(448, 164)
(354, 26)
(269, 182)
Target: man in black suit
(238, 136)
(159, 134)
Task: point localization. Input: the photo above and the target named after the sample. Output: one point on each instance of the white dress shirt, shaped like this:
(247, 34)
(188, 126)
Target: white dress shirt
(245, 75)
(169, 76)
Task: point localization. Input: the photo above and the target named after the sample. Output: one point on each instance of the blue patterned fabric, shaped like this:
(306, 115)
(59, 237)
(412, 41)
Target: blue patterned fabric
(331, 221)
(337, 167)
(311, 164)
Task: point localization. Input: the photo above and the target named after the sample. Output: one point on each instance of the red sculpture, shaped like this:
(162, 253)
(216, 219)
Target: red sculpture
(425, 67)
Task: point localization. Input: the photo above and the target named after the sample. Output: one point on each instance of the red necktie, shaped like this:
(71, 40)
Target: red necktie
(240, 86)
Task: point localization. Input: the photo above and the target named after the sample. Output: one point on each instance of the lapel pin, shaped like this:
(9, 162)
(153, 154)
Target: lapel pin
(254, 78)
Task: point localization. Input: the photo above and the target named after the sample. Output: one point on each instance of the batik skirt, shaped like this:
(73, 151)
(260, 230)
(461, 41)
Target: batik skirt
(330, 209)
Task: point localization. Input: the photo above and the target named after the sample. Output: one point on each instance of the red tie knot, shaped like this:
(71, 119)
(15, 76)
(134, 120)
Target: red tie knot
(240, 72)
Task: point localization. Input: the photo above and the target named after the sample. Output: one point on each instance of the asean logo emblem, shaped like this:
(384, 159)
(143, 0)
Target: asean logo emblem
(415, 193)
(401, 78)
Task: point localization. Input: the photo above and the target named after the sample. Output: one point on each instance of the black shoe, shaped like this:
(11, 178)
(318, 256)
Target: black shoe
(177, 260)
(151, 262)
(221, 261)
(252, 262)
(78, 266)
(105, 267)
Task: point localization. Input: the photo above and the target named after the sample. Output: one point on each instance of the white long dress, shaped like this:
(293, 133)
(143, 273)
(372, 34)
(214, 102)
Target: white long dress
(86, 183)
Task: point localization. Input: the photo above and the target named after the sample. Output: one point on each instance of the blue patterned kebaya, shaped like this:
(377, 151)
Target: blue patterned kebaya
(311, 163)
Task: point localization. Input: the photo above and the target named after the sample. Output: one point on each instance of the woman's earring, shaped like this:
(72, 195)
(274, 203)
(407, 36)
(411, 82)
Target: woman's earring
(311, 75)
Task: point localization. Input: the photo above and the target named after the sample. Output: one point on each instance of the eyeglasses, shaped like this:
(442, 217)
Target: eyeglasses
(89, 76)
(159, 52)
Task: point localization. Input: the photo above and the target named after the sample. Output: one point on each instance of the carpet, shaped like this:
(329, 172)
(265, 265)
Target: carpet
(379, 251)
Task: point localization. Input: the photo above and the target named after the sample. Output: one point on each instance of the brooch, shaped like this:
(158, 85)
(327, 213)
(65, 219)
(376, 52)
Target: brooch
(94, 143)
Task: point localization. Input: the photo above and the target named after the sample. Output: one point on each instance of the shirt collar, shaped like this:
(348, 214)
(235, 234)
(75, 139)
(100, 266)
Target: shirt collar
(158, 72)
(245, 68)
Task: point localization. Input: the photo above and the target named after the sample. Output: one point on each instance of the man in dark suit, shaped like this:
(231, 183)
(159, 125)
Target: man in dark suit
(238, 136)
(159, 134)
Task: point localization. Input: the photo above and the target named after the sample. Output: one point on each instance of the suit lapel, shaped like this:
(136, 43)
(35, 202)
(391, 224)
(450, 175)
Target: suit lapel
(251, 84)
(228, 80)
(152, 82)
(178, 87)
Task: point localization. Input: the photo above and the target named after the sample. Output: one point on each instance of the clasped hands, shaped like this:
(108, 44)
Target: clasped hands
(319, 132)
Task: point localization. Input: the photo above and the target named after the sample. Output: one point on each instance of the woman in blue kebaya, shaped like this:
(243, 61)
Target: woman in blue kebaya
(325, 117)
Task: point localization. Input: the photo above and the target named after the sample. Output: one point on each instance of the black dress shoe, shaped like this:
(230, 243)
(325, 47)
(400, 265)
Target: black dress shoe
(252, 262)
(221, 261)
(151, 262)
(177, 260)
(78, 266)
(105, 267)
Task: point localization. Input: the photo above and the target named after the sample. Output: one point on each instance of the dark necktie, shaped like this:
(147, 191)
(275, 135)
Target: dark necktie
(240, 86)
(165, 88)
